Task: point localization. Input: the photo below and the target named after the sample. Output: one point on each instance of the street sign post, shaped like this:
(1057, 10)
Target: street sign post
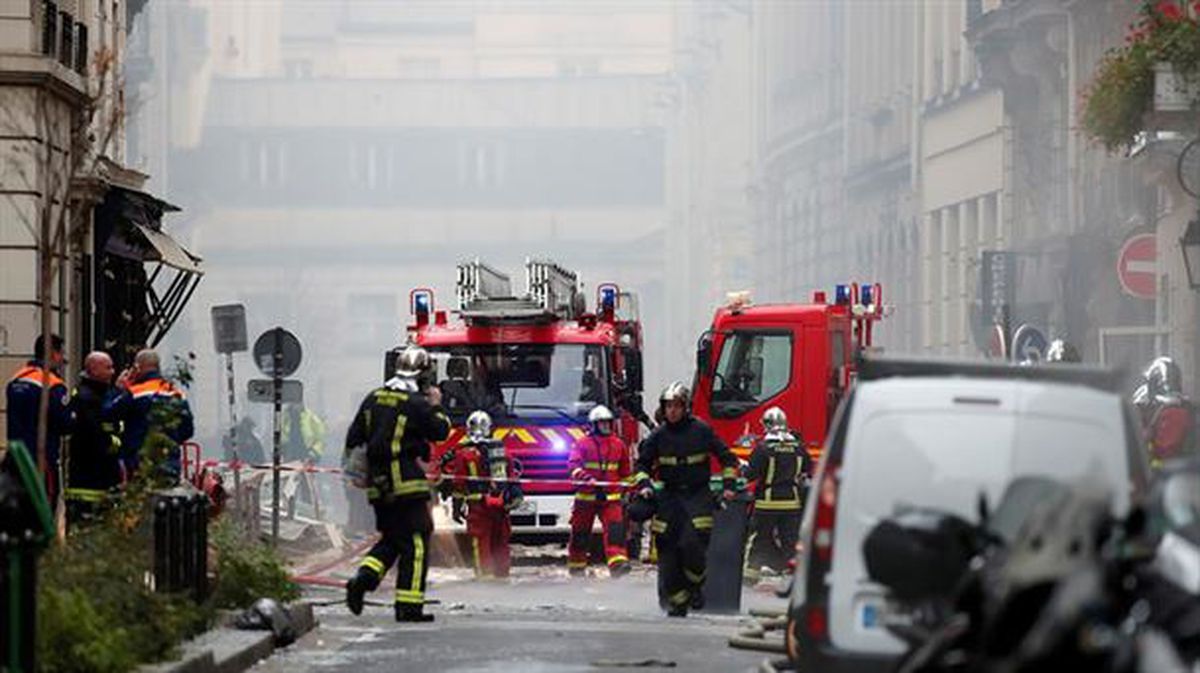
(263, 390)
(997, 298)
(1029, 344)
(998, 343)
(229, 337)
(277, 353)
(1137, 266)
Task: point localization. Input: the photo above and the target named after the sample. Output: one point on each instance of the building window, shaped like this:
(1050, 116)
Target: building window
(66, 43)
(81, 48)
(297, 68)
(578, 66)
(419, 67)
(372, 167)
(49, 29)
(481, 165)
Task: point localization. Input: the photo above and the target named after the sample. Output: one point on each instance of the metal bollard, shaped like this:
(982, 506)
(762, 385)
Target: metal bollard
(26, 527)
(18, 598)
(181, 543)
(187, 543)
(159, 507)
(201, 562)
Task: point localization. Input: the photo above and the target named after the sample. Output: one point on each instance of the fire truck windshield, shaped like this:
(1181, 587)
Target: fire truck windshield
(754, 367)
(528, 381)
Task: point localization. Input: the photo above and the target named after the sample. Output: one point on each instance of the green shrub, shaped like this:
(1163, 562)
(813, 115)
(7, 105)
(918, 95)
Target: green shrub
(96, 611)
(247, 570)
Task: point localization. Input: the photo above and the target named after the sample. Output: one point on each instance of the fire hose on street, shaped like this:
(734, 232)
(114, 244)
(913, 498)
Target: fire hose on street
(754, 637)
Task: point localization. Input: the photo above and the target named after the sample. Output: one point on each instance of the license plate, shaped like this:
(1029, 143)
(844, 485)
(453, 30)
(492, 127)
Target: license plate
(870, 616)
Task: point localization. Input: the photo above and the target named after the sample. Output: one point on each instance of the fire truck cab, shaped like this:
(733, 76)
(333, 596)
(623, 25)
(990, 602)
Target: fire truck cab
(537, 362)
(799, 357)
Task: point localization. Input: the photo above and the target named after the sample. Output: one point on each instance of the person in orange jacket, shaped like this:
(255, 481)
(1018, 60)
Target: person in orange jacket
(600, 456)
(488, 503)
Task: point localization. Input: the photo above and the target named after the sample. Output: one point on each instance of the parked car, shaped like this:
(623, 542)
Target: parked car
(939, 435)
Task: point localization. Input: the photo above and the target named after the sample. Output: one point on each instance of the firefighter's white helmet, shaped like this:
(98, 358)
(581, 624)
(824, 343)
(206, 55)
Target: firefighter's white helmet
(676, 392)
(479, 426)
(413, 362)
(774, 420)
(600, 414)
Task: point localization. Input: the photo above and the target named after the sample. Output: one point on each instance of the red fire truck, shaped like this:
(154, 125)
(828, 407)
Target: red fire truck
(538, 362)
(799, 357)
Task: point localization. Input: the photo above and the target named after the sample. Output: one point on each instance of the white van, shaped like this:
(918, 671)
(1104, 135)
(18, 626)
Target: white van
(939, 434)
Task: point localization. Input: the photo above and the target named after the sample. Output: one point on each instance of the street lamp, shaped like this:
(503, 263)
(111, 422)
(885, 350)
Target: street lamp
(1190, 242)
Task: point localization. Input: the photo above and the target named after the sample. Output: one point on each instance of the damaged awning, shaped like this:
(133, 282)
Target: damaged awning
(138, 234)
(154, 246)
(131, 222)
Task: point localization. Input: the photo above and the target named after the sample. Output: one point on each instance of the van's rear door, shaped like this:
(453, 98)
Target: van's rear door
(913, 443)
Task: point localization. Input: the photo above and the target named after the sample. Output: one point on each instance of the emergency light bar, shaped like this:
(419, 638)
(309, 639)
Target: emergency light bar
(608, 297)
(420, 301)
(841, 295)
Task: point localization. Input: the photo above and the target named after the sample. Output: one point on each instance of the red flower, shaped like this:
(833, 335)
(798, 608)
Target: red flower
(1169, 10)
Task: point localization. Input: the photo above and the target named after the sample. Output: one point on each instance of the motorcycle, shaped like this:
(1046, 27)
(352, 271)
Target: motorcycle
(1049, 581)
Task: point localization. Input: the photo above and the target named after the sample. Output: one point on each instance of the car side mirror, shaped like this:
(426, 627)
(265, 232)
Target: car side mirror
(704, 353)
(633, 370)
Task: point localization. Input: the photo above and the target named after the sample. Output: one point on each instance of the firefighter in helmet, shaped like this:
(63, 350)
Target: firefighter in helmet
(599, 456)
(779, 464)
(679, 453)
(484, 479)
(1062, 351)
(1169, 416)
(396, 424)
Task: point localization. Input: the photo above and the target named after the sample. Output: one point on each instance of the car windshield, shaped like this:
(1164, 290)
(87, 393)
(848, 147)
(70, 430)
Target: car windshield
(529, 381)
(753, 368)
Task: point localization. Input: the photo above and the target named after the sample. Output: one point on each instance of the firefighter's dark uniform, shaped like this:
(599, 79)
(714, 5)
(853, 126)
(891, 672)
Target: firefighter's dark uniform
(680, 455)
(777, 465)
(397, 423)
(158, 419)
(24, 396)
(94, 460)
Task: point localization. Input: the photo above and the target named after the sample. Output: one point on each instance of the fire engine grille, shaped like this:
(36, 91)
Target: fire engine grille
(543, 463)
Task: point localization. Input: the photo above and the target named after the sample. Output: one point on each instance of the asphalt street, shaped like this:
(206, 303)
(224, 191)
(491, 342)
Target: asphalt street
(539, 620)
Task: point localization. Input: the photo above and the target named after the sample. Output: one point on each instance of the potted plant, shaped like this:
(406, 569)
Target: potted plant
(1157, 69)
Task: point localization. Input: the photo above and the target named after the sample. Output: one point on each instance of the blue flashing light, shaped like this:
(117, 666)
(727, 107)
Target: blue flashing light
(608, 298)
(422, 302)
(841, 294)
(865, 292)
(559, 444)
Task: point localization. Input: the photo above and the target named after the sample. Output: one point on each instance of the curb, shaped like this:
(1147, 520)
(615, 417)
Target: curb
(228, 650)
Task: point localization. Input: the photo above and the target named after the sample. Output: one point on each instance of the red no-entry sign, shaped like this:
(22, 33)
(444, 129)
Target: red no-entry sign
(1137, 266)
